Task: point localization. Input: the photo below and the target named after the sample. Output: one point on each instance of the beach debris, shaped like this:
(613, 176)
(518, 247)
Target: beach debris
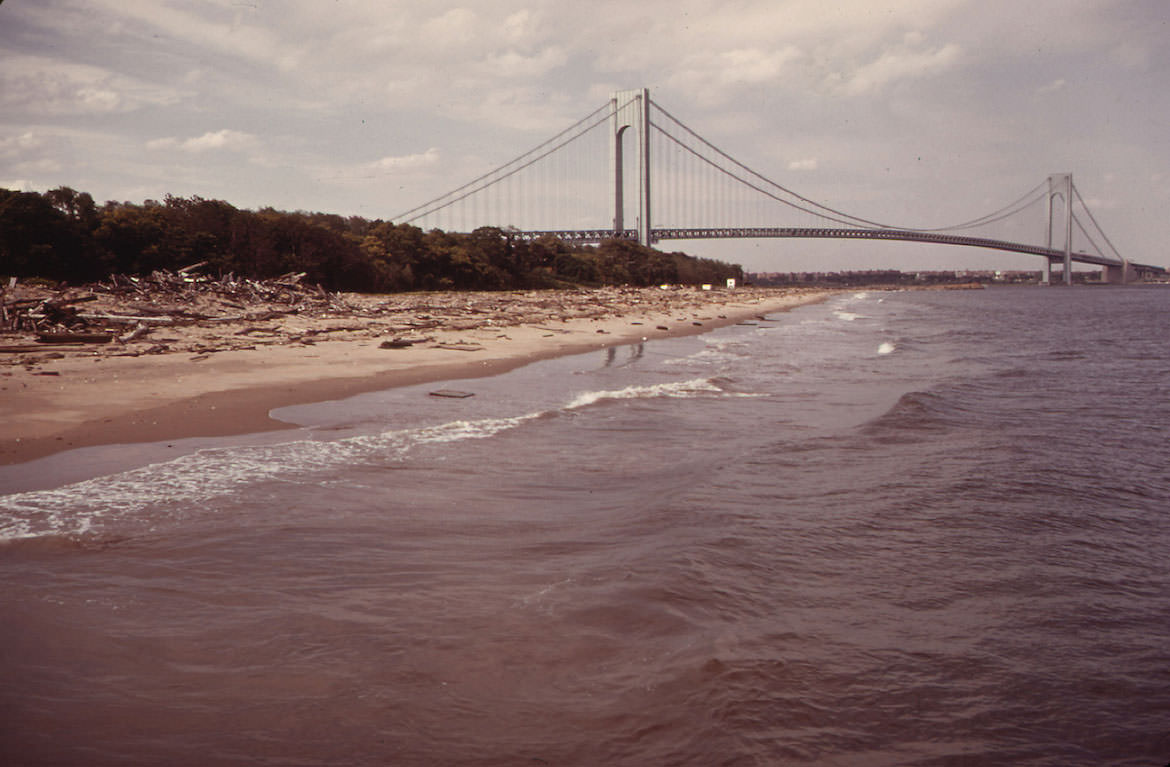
(20, 348)
(200, 313)
(452, 393)
(461, 347)
(138, 332)
(74, 338)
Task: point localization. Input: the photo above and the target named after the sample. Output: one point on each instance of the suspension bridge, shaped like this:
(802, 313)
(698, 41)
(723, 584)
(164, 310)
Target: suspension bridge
(574, 187)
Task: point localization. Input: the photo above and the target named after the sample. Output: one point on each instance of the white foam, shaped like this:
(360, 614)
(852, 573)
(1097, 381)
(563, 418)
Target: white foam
(696, 387)
(175, 487)
(460, 430)
(887, 347)
(710, 354)
(196, 478)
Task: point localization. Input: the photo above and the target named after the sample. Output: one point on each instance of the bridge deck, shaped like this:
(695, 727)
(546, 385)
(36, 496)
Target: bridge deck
(906, 235)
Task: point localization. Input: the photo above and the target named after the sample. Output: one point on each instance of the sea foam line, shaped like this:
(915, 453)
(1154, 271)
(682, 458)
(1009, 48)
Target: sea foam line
(196, 478)
(213, 472)
(696, 387)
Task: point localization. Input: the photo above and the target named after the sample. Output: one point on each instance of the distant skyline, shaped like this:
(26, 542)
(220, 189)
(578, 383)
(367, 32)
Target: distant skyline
(919, 112)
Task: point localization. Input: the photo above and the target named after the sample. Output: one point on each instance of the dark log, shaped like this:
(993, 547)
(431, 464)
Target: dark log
(75, 338)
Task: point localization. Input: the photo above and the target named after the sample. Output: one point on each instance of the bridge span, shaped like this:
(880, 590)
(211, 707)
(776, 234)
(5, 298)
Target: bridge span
(695, 191)
(1111, 267)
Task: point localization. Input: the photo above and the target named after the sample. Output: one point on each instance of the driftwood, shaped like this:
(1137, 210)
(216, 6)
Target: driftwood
(126, 319)
(460, 347)
(134, 334)
(75, 338)
(226, 312)
(26, 348)
(164, 298)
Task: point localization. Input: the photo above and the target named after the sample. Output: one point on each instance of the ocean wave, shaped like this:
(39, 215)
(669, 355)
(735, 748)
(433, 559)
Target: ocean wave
(712, 353)
(695, 387)
(194, 479)
(915, 413)
(173, 487)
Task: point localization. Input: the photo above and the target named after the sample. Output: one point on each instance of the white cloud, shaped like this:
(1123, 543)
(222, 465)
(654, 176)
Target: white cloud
(809, 163)
(223, 29)
(512, 64)
(409, 161)
(1056, 85)
(226, 139)
(33, 154)
(98, 100)
(221, 139)
(15, 146)
(453, 28)
(520, 26)
(40, 165)
(901, 63)
(719, 77)
(754, 65)
(45, 86)
(1102, 203)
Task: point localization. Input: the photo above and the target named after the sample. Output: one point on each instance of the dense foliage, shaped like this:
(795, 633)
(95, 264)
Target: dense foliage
(63, 235)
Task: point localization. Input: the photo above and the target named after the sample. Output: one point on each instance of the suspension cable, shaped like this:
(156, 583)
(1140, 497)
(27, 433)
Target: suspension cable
(751, 185)
(758, 175)
(607, 109)
(451, 197)
(1028, 198)
(1077, 194)
(1089, 237)
(989, 218)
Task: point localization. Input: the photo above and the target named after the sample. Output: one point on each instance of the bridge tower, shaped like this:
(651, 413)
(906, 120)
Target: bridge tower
(1060, 185)
(631, 109)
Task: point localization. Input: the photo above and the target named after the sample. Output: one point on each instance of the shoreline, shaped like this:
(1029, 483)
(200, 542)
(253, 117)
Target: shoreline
(83, 398)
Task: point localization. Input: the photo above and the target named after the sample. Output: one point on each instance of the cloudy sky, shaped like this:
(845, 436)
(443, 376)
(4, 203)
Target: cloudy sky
(915, 112)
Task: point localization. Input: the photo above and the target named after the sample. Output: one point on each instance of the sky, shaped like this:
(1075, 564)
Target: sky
(917, 112)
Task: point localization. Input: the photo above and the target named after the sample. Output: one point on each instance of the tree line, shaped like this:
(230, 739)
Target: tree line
(63, 235)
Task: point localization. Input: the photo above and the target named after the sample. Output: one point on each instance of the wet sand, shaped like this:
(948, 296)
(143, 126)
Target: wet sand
(74, 396)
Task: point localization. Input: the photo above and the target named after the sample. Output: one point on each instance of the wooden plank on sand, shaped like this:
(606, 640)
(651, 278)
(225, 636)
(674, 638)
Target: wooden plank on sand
(75, 338)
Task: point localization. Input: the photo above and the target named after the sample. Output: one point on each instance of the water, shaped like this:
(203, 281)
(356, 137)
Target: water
(924, 528)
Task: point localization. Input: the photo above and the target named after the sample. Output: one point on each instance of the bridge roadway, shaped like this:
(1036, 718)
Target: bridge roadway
(583, 236)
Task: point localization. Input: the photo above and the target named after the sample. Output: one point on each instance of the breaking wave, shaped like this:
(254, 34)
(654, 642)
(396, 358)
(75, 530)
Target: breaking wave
(192, 480)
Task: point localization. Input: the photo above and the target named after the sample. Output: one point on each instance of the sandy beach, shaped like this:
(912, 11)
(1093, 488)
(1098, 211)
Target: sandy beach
(222, 375)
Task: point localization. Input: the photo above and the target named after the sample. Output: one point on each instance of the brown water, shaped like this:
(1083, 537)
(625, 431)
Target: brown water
(896, 529)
